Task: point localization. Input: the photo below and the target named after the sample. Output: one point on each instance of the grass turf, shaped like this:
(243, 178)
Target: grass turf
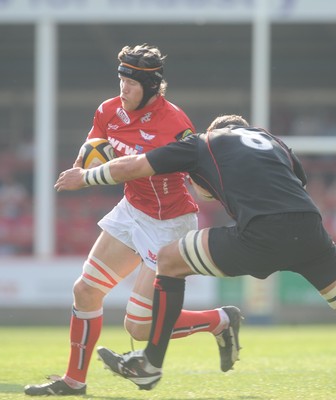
(287, 363)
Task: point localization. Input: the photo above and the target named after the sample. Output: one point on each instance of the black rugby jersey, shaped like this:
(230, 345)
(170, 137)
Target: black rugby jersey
(250, 171)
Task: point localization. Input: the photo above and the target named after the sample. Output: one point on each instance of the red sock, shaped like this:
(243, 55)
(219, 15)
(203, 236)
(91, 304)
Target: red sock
(190, 322)
(84, 334)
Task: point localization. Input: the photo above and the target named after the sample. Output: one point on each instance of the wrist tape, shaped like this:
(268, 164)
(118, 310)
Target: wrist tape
(99, 176)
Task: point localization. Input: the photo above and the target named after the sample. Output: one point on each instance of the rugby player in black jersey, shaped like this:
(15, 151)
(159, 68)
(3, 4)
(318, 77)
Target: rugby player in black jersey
(261, 184)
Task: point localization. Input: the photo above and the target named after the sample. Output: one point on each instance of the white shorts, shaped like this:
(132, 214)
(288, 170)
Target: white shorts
(142, 233)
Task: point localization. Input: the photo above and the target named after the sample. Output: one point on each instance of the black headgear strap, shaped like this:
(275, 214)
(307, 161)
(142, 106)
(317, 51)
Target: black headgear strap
(150, 79)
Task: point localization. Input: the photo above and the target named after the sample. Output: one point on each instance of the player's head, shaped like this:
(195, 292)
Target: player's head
(226, 120)
(144, 64)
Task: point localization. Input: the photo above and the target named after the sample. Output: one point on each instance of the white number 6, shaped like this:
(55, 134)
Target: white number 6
(254, 139)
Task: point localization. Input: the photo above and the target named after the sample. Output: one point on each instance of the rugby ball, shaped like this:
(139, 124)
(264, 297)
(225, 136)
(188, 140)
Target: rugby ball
(96, 152)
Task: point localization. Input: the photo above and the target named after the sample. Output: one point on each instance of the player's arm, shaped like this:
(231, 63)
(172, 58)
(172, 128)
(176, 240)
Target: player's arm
(118, 170)
(176, 156)
(298, 169)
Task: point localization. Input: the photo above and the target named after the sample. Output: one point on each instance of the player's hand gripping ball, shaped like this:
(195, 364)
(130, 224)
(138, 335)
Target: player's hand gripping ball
(95, 152)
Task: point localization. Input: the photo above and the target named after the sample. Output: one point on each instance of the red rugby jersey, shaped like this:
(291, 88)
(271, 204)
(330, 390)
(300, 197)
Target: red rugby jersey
(136, 132)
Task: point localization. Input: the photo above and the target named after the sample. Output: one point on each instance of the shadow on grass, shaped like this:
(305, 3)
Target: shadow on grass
(10, 388)
(14, 388)
(174, 398)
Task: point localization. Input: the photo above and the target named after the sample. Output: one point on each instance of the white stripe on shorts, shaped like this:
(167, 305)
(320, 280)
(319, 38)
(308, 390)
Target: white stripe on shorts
(193, 253)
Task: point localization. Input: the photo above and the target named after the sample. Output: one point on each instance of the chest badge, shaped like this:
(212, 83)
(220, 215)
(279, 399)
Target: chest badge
(146, 136)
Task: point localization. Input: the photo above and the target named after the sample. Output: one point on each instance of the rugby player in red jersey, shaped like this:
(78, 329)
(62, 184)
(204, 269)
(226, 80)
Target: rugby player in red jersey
(154, 212)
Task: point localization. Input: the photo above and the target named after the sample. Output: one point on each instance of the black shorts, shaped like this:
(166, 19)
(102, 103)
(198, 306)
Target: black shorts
(294, 242)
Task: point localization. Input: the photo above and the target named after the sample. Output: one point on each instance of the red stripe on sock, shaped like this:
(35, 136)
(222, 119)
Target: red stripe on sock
(160, 317)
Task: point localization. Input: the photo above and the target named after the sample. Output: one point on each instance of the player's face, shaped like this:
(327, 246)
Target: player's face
(131, 93)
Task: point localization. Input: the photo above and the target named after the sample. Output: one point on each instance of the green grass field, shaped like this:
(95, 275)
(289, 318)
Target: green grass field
(286, 363)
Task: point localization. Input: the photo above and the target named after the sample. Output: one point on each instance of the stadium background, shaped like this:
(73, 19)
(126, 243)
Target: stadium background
(274, 62)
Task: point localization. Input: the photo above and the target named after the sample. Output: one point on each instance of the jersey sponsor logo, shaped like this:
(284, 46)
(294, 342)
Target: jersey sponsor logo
(146, 118)
(183, 134)
(124, 148)
(112, 127)
(122, 114)
(146, 136)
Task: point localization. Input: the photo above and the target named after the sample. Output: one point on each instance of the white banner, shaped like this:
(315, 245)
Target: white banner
(172, 11)
(46, 283)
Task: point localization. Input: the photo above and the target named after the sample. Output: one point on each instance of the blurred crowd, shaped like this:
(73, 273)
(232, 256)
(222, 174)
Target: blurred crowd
(311, 122)
(16, 201)
(77, 213)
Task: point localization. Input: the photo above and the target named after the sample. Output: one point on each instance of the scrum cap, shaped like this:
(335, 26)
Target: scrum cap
(144, 66)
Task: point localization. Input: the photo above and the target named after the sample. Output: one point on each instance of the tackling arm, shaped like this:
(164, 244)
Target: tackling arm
(118, 170)
(298, 169)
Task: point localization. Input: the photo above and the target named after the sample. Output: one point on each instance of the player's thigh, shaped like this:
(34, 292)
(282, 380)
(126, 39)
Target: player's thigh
(329, 294)
(108, 262)
(144, 283)
(149, 235)
(114, 254)
(189, 255)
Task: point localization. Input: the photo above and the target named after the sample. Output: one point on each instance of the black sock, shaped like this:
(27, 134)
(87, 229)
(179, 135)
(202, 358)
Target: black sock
(167, 306)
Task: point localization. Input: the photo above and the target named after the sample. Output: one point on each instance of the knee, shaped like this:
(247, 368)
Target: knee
(137, 332)
(86, 297)
(80, 289)
(138, 318)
